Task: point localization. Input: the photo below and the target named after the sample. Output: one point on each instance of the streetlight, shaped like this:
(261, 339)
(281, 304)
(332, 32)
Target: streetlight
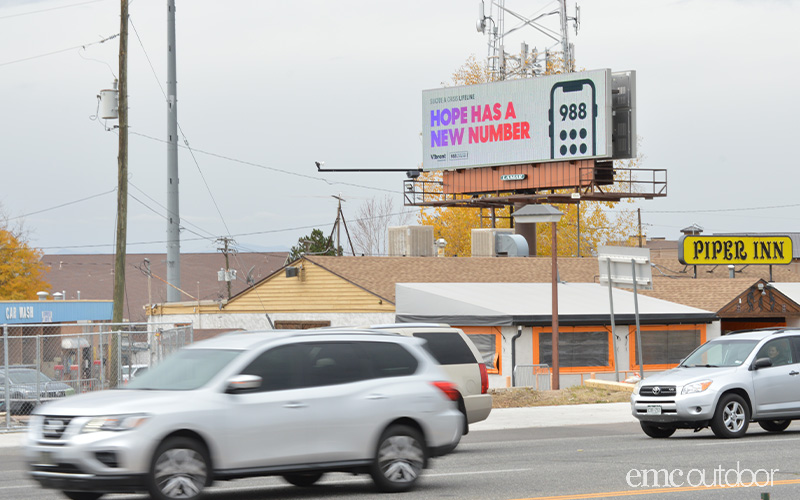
(546, 213)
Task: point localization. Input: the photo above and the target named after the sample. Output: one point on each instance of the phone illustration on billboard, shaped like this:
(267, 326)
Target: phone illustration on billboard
(573, 115)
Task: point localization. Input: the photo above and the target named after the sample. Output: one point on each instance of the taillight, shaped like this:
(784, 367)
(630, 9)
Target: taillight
(484, 379)
(448, 388)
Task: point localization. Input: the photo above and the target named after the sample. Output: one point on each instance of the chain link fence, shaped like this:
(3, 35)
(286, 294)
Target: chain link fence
(40, 363)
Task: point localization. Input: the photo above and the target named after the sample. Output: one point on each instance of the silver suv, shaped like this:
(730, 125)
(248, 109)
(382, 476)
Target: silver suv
(460, 359)
(725, 384)
(291, 403)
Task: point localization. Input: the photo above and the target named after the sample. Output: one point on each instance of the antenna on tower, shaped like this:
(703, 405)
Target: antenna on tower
(528, 62)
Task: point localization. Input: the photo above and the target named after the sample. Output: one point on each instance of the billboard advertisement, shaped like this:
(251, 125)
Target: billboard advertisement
(532, 120)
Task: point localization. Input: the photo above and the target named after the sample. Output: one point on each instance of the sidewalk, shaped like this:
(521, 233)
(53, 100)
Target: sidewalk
(499, 419)
(555, 416)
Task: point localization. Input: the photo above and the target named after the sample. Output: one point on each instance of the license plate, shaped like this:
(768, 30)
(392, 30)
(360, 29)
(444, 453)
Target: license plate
(654, 409)
(47, 458)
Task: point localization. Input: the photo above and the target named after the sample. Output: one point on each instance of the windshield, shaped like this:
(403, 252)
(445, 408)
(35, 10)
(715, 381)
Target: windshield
(727, 352)
(27, 377)
(185, 370)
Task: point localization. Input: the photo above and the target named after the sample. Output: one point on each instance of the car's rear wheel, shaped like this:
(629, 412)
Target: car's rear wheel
(657, 431)
(180, 469)
(731, 418)
(774, 425)
(399, 459)
(303, 479)
(82, 495)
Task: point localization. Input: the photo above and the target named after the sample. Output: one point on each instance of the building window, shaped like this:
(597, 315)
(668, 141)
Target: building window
(579, 348)
(488, 340)
(664, 346)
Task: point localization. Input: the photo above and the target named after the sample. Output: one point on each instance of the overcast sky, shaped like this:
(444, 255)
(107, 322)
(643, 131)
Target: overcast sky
(266, 88)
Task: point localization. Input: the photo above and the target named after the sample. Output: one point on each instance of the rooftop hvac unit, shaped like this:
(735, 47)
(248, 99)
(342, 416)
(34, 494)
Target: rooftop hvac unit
(411, 241)
(493, 242)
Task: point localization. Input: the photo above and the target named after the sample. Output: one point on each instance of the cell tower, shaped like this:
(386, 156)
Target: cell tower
(556, 54)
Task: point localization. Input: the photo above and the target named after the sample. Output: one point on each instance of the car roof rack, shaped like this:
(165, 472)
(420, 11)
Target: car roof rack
(777, 330)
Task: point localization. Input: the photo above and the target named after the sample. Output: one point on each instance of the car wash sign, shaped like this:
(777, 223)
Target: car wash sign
(550, 118)
(752, 250)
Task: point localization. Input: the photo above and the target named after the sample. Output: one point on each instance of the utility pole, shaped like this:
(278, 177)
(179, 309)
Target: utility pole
(122, 169)
(339, 220)
(122, 196)
(639, 210)
(173, 205)
(225, 251)
(149, 281)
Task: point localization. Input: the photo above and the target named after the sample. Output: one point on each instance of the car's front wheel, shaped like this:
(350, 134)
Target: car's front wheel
(399, 459)
(657, 431)
(774, 425)
(731, 418)
(180, 469)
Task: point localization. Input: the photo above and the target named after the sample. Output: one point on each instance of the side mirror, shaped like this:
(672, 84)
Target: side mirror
(242, 383)
(762, 363)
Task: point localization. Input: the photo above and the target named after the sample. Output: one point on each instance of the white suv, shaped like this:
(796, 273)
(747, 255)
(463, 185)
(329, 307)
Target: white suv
(290, 403)
(725, 384)
(460, 359)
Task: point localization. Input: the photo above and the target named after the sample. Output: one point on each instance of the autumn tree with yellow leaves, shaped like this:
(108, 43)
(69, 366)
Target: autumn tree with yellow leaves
(582, 228)
(21, 269)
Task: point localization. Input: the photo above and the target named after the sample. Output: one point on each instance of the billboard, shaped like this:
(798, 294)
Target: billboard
(550, 118)
(752, 250)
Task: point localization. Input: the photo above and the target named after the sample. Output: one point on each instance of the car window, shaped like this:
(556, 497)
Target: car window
(330, 363)
(778, 351)
(185, 370)
(387, 359)
(723, 352)
(27, 377)
(448, 348)
(279, 368)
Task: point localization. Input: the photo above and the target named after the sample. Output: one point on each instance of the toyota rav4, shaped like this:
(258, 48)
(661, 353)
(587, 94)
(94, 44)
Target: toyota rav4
(726, 383)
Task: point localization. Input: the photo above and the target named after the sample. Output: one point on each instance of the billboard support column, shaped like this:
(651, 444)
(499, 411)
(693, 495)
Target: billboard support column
(636, 314)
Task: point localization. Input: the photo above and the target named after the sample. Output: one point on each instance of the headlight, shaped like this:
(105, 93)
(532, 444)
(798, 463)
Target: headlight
(696, 387)
(637, 387)
(115, 423)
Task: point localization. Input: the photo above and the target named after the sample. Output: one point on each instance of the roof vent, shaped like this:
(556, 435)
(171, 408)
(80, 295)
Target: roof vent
(494, 242)
(42, 295)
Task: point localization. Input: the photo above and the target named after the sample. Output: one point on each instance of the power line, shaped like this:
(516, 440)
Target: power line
(265, 167)
(59, 51)
(165, 208)
(164, 216)
(717, 210)
(50, 9)
(63, 205)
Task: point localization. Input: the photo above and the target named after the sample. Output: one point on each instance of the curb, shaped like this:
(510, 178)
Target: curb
(607, 384)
